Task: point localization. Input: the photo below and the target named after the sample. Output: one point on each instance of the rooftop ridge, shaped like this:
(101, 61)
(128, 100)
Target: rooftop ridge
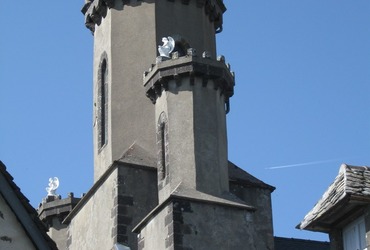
(25, 213)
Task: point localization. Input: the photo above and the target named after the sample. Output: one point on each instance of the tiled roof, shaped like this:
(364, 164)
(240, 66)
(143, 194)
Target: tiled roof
(299, 244)
(21, 206)
(352, 183)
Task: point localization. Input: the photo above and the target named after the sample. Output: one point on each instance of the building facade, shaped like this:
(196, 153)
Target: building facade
(162, 179)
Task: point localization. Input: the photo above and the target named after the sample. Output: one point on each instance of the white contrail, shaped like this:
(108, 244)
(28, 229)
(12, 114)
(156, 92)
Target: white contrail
(304, 164)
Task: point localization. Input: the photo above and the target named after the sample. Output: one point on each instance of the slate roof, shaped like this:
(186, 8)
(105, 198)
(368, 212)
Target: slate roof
(236, 174)
(25, 213)
(189, 194)
(299, 244)
(345, 196)
(136, 155)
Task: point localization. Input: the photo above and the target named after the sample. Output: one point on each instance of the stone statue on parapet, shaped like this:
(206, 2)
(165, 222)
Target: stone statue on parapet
(53, 185)
(167, 47)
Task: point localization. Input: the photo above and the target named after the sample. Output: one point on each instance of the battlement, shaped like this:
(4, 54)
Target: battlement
(56, 207)
(175, 68)
(52, 211)
(95, 10)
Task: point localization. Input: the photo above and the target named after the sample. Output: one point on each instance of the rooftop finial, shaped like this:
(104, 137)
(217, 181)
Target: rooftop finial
(53, 185)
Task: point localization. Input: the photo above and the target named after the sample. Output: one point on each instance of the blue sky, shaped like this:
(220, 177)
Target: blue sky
(301, 96)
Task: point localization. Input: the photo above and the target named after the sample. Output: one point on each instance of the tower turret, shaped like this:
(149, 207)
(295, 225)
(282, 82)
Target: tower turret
(191, 95)
(160, 163)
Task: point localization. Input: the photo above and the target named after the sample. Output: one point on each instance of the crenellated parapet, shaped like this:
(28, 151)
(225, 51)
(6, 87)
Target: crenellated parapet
(192, 66)
(95, 10)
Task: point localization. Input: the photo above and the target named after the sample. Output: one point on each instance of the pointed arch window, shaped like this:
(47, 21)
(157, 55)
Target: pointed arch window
(102, 115)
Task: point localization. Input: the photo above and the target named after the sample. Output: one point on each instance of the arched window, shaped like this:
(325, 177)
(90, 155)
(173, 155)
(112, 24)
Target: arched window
(162, 144)
(102, 116)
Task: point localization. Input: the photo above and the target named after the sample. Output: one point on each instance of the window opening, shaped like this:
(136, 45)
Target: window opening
(103, 105)
(162, 143)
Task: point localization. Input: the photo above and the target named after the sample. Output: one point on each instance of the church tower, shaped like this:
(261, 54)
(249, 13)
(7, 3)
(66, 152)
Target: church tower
(162, 179)
(126, 35)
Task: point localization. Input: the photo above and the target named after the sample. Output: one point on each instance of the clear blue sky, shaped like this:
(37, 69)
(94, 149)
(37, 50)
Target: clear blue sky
(302, 95)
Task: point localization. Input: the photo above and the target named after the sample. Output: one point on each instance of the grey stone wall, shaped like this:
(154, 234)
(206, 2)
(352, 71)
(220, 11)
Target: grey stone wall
(91, 227)
(158, 232)
(108, 215)
(59, 233)
(137, 196)
(260, 199)
(190, 225)
(208, 226)
(197, 136)
(126, 35)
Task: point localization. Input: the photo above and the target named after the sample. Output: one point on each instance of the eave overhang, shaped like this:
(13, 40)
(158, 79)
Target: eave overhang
(344, 200)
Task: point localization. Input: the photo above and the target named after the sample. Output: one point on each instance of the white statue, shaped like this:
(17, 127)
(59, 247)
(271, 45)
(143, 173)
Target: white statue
(53, 185)
(167, 47)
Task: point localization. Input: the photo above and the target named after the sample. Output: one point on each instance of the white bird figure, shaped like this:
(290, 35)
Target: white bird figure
(167, 47)
(53, 185)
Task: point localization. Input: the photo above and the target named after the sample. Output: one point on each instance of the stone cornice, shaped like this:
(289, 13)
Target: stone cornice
(95, 10)
(157, 78)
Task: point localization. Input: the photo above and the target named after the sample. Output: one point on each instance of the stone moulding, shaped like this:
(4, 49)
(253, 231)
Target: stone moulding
(95, 10)
(159, 75)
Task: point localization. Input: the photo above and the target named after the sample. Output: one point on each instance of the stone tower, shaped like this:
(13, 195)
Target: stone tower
(162, 179)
